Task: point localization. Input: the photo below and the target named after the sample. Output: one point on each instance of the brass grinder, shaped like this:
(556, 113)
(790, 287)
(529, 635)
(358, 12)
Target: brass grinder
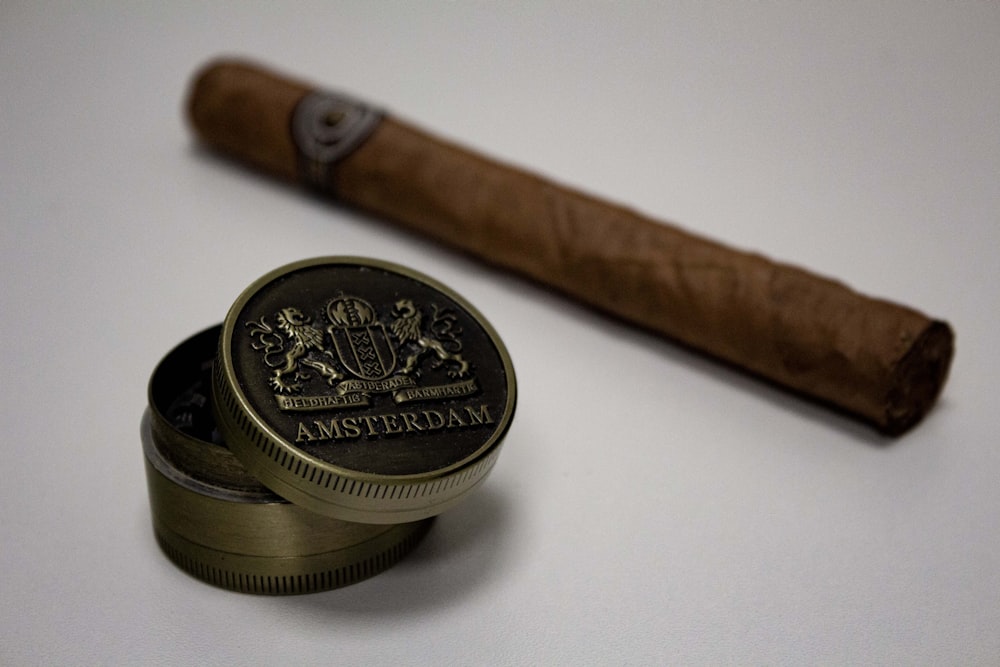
(220, 524)
(368, 395)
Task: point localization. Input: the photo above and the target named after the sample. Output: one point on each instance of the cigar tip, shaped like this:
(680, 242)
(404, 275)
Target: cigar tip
(919, 378)
(218, 74)
(244, 111)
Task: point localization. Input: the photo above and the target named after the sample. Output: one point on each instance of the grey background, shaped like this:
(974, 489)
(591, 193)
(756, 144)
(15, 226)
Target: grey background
(650, 507)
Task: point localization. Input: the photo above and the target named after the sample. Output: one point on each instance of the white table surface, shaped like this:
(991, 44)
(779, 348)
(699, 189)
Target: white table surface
(650, 507)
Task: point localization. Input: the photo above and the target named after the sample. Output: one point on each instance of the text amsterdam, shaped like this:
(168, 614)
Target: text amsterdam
(393, 424)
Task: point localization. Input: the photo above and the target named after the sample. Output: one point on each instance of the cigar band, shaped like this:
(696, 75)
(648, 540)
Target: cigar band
(326, 127)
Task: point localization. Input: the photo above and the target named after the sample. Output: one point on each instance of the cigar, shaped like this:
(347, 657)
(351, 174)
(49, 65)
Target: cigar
(881, 362)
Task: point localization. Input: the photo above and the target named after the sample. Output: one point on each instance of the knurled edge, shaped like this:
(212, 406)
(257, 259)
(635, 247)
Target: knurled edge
(330, 485)
(313, 580)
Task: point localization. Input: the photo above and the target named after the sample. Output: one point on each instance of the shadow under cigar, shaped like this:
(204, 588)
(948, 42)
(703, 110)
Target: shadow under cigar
(675, 352)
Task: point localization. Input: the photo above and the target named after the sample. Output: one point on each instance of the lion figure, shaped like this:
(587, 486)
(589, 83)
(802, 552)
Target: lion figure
(303, 337)
(408, 329)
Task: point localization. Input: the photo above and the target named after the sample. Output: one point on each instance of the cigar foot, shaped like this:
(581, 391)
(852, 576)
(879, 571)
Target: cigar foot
(919, 378)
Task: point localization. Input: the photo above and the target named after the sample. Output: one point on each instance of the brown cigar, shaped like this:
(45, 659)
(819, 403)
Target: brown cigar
(880, 361)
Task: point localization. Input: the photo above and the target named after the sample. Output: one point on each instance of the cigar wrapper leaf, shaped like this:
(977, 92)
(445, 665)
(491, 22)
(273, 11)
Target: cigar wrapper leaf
(876, 360)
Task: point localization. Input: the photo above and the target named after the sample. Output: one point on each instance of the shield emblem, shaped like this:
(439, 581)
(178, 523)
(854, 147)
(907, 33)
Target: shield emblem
(365, 350)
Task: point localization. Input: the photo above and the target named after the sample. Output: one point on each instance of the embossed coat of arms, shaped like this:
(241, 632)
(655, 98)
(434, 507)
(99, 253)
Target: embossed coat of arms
(342, 356)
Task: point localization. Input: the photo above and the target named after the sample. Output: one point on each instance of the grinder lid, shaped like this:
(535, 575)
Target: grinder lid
(362, 390)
